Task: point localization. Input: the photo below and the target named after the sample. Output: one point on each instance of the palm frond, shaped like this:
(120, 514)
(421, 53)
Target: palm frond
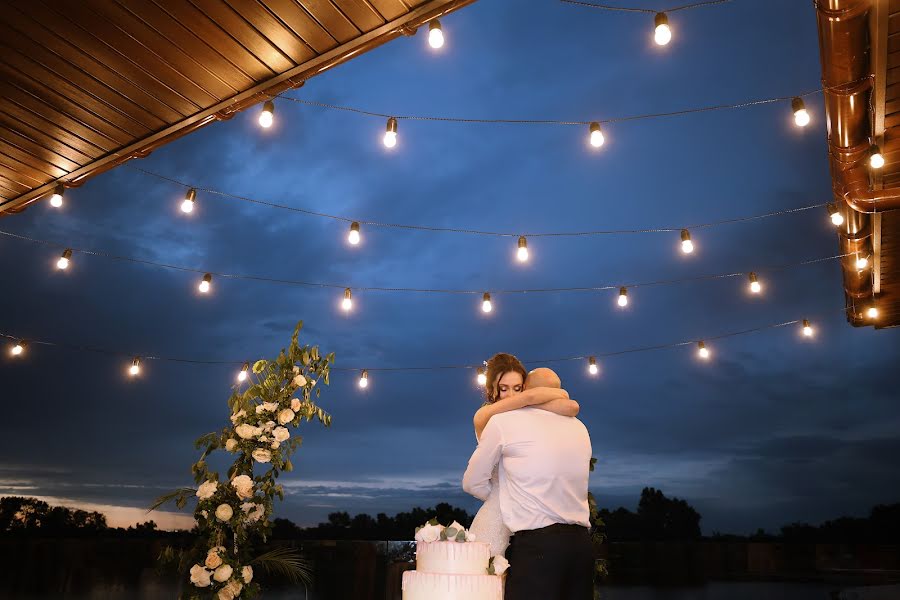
(287, 562)
(166, 498)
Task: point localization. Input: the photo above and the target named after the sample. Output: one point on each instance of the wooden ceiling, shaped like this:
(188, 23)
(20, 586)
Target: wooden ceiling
(88, 84)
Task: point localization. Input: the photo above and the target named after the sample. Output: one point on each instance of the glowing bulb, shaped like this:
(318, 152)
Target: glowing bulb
(242, 376)
(702, 350)
(135, 368)
(347, 302)
(390, 134)
(353, 236)
(63, 262)
(593, 369)
(836, 217)
(687, 246)
(522, 252)
(56, 200)
(663, 34)
(267, 116)
(807, 328)
(623, 297)
(486, 305)
(801, 117)
(435, 35)
(364, 379)
(876, 158)
(204, 285)
(872, 312)
(187, 206)
(481, 378)
(18, 349)
(861, 263)
(754, 284)
(597, 138)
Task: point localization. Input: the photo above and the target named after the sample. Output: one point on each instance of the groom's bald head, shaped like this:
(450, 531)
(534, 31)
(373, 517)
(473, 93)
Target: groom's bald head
(543, 377)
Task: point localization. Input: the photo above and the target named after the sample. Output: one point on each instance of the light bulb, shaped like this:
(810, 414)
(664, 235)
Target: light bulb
(801, 117)
(755, 287)
(63, 262)
(267, 116)
(364, 379)
(135, 368)
(187, 205)
(242, 376)
(18, 348)
(836, 217)
(204, 285)
(872, 312)
(593, 369)
(486, 305)
(687, 246)
(353, 236)
(861, 263)
(347, 302)
(597, 138)
(876, 158)
(435, 35)
(56, 200)
(481, 378)
(662, 34)
(702, 350)
(522, 252)
(807, 328)
(623, 297)
(390, 134)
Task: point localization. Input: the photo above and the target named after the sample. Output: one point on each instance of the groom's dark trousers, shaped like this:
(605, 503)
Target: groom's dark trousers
(551, 563)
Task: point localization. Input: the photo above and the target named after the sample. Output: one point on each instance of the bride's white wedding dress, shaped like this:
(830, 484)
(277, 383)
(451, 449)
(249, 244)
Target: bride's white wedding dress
(488, 524)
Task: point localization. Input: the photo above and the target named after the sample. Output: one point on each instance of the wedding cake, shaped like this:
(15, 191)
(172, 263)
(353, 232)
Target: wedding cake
(452, 565)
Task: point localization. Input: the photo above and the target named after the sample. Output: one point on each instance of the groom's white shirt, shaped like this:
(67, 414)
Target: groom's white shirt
(544, 466)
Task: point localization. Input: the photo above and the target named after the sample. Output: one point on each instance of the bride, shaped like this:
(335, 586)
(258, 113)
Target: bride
(505, 391)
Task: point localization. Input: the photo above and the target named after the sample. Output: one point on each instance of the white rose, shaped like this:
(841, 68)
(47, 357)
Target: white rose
(247, 574)
(246, 431)
(204, 514)
(281, 434)
(269, 426)
(225, 593)
(295, 404)
(457, 526)
(235, 586)
(264, 438)
(223, 573)
(275, 445)
(224, 512)
(243, 485)
(248, 506)
(299, 381)
(270, 406)
(255, 513)
(500, 564)
(237, 416)
(213, 559)
(262, 455)
(429, 533)
(285, 416)
(199, 576)
(207, 489)
(231, 444)
(470, 537)
(296, 369)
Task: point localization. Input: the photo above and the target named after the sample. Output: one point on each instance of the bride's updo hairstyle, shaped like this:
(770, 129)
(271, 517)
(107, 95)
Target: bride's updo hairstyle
(498, 365)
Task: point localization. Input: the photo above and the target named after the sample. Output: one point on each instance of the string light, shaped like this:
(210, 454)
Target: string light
(755, 287)
(187, 206)
(801, 116)
(522, 252)
(486, 305)
(435, 34)
(662, 33)
(242, 376)
(364, 379)
(56, 200)
(687, 246)
(18, 348)
(807, 328)
(593, 369)
(204, 285)
(872, 313)
(837, 219)
(596, 137)
(390, 134)
(702, 350)
(481, 378)
(862, 263)
(876, 159)
(63, 262)
(135, 368)
(623, 297)
(347, 302)
(267, 116)
(353, 236)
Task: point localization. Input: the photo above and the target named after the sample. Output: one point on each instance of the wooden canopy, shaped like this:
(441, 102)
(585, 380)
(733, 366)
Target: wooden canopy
(88, 84)
(860, 51)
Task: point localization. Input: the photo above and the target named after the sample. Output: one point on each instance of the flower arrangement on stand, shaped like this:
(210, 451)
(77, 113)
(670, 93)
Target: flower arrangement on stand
(233, 512)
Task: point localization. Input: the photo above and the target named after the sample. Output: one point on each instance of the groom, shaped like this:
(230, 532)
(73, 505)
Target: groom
(544, 465)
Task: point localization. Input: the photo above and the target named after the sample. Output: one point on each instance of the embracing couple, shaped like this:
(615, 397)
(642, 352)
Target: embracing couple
(531, 470)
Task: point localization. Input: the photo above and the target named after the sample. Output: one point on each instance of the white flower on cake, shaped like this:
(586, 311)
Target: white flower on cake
(207, 489)
(285, 416)
(224, 512)
(246, 431)
(231, 444)
(237, 416)
(213, 560)
(429, 533)
(200, 576)
(498, 565)
(247, 574)
(243, 485)
(223, 573)
(295, 404)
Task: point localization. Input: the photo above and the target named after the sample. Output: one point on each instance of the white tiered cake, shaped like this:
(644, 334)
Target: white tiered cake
(451, 570)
